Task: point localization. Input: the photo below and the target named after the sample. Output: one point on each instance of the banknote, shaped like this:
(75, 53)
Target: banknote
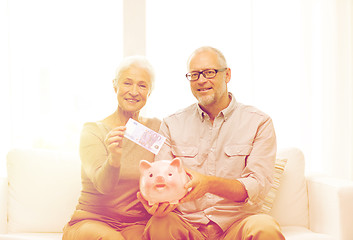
(144, 136)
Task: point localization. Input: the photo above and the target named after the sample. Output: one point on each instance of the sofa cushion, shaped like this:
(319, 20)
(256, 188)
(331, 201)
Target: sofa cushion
(44, 187)
(290, 206)
(31, 236)
(280, 164)
(302, 233)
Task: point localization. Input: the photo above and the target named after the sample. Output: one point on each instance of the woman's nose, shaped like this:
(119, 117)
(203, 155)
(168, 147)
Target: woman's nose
(134, 90)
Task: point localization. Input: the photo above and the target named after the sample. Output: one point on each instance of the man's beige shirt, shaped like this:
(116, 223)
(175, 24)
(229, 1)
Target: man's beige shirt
(240, 144)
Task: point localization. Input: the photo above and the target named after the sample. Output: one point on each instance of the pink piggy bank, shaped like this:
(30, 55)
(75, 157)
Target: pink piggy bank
(162, 181)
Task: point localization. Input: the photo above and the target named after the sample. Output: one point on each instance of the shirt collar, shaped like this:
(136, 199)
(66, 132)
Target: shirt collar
(225, 112)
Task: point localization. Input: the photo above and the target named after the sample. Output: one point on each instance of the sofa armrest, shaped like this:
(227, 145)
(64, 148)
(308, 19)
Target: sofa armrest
(330, 206)
(3, 204)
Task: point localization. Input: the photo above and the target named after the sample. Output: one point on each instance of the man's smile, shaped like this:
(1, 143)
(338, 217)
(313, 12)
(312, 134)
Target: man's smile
(204, 89)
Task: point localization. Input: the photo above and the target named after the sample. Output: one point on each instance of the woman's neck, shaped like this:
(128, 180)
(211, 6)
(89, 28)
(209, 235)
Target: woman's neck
(123, 116)
(120, 118)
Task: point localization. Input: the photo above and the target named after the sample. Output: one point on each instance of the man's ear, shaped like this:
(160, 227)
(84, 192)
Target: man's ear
(228, 75)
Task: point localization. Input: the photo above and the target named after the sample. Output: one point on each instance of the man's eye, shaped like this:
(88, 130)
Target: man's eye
(209, 72)
(194, 74)
(127, 83)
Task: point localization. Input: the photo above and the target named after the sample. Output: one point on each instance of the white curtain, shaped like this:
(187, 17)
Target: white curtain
(328, 83)
(5, 108)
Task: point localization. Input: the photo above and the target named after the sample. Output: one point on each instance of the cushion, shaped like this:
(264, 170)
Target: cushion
(269, 199)
(44, 187)
(302, 233)
(290, 207)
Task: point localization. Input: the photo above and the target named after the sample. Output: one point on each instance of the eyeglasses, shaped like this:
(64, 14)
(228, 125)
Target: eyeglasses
(207, 73)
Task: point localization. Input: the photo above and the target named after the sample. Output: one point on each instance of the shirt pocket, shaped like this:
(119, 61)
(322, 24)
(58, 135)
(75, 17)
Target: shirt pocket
(236, 156)
(187, 154)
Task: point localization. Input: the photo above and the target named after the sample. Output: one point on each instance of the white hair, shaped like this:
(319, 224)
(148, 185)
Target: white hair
(221, 59)
(137, 61)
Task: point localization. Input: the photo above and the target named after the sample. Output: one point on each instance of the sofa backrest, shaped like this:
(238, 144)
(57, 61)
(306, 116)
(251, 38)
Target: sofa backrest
(43, 189)
(290, 206)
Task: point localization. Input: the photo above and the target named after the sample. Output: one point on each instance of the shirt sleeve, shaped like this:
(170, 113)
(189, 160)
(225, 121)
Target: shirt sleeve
(166, 151)
(95, 159)
(257, 176)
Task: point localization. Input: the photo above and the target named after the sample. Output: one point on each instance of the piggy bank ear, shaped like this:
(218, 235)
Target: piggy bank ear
(176, 162)
(144, 165)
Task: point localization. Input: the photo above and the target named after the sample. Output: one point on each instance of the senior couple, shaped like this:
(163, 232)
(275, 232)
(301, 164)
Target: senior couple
(227, 148)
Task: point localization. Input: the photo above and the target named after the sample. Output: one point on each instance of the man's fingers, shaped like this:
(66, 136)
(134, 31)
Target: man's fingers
(187, 197)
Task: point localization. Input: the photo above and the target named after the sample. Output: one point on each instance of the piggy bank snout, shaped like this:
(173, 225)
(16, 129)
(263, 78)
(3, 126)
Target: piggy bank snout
(160, 179)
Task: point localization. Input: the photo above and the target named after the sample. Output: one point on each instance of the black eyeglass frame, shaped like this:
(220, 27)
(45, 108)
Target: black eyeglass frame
(202, 72)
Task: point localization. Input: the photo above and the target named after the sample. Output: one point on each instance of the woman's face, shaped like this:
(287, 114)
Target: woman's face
(134, 87)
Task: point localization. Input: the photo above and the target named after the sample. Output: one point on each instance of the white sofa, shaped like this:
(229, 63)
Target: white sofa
(42, 188)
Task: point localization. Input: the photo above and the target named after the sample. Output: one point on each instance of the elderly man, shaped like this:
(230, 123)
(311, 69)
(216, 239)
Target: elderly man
(229, 151)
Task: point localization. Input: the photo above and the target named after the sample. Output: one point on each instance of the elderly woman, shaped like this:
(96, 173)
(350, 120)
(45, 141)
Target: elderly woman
(108, 207)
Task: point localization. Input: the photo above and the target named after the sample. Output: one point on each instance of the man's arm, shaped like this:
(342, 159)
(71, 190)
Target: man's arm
(201, 184)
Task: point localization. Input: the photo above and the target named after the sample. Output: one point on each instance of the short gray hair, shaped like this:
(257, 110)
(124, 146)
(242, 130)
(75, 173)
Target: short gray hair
(221, 59)
(137, 61)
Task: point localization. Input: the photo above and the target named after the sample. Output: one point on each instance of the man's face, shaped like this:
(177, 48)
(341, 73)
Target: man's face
(208, 91)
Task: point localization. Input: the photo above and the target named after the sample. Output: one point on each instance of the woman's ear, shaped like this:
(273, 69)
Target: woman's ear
(114, 85)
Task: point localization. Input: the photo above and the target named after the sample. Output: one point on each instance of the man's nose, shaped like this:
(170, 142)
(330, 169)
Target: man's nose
(202, 79)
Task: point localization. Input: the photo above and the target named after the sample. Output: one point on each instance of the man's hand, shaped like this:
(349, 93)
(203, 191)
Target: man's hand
(199, 185)
(158, 209)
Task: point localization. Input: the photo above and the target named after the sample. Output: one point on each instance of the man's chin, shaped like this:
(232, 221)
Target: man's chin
(206, 100)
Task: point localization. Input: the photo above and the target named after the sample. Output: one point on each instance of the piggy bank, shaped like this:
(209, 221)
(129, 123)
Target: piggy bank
(162, 181)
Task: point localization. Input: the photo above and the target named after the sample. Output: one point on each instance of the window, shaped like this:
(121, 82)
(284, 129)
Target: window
(62, 57)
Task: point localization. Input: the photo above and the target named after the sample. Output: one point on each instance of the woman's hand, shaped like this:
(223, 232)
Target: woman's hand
(158, 209)
(114, 143)
(199, 185)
